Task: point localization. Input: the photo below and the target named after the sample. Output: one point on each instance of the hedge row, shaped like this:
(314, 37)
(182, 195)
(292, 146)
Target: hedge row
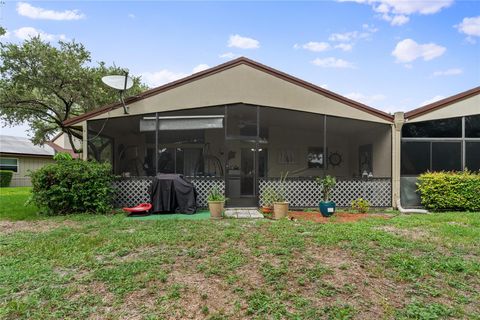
(454, 191)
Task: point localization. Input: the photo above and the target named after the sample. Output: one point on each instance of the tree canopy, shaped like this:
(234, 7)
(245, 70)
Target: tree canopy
(44, 85)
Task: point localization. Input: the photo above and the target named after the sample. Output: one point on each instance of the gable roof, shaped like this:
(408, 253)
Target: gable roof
(442, 103)
(23, 146)
(226, 66)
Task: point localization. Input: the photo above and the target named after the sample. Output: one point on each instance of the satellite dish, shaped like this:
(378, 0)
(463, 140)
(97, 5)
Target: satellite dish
(120, 83)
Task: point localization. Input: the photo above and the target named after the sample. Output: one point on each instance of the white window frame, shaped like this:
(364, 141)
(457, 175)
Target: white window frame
(18, 163)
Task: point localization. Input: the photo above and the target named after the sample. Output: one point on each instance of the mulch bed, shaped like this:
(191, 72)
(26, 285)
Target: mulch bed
(338, 217)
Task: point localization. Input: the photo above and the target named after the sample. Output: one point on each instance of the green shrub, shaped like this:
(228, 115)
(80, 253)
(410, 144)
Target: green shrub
(327, 183)
(5, 178)
(62, 156)
(73, 186)
(215, 195)
(441, 191)
(360, 205)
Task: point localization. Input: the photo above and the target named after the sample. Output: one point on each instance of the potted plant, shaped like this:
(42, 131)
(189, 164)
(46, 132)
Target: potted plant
(327, 208)
(280, 205)
(216, 203)
(268, 197)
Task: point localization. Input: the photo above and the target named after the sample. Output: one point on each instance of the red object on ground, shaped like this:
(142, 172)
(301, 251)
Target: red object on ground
(143, 207)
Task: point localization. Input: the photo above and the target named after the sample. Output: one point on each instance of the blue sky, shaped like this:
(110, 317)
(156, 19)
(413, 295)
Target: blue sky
(390, 54)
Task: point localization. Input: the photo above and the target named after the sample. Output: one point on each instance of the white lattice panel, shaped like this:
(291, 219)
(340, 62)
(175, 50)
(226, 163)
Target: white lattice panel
(307, 193)
(203, 186)
(130, 192)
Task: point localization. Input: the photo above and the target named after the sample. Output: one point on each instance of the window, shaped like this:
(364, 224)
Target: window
(472, 126)
(443, 128)
(415, 157)
(446, 156)
(472, 156)
(9, 164)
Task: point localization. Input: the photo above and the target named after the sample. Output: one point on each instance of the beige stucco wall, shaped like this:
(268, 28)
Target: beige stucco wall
(26, 164)
(467, 107)
(243, 84)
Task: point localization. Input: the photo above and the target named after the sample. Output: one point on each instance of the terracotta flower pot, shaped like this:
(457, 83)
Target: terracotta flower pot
(280, 210)
(266, 209)
(216, 209)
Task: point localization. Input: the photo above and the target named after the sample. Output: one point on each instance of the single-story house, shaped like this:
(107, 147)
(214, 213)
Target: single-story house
(20, 155)
(241, 125)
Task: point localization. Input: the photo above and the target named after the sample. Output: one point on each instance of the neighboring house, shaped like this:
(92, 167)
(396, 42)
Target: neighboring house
(20, 155)
(240, 125)
(61, 143)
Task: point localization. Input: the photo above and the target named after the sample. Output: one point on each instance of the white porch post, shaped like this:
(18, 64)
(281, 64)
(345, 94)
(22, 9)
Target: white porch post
(399, 120)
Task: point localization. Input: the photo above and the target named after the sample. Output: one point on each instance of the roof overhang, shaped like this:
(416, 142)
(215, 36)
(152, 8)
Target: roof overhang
(438, 105)
(383, 116)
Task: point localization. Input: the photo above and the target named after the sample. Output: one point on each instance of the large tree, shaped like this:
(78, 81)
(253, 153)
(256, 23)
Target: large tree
(44, 85)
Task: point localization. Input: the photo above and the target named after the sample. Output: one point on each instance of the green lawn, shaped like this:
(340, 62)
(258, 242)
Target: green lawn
(12, 204)
(110, 267)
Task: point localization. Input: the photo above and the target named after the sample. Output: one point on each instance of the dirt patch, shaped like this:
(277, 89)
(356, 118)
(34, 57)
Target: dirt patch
(413, 233)
(9, 227)
(339, 217)
(348, 280)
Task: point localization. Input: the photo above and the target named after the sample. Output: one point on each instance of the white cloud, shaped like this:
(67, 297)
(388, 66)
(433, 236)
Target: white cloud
(27, 10)
(237, 41)
(344, 37)
(29, 32)
(155, 79)
(366, 99)
(332, 62)
(408, 50)
(228, 55)
(470, 27)
(432, 100)
(350, 36)
(314, 46)
(449, 72)
(344, 46)
(200, 67)
(397, 12)
(399, 20)
(131, 16)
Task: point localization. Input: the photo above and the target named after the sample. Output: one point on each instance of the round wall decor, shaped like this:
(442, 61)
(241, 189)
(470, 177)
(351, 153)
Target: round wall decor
(335, 159)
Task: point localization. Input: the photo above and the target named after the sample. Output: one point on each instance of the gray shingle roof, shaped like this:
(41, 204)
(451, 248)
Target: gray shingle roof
(19, 145)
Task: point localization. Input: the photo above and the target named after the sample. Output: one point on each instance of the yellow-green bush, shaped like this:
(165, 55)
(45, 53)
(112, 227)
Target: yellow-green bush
(442, 191)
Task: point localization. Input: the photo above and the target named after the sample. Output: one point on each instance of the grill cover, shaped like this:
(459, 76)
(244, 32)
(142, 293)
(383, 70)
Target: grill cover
(172, 193)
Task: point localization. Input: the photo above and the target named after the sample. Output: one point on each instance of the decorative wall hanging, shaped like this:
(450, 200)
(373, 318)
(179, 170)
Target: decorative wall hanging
(315, 157)
(365, 163)
(287, 156)
(335, 159)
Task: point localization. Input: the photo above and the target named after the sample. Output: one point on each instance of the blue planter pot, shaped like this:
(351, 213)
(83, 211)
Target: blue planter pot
(327, 208)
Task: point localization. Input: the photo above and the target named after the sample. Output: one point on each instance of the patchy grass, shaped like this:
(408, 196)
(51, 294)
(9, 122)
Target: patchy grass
(406, 267)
